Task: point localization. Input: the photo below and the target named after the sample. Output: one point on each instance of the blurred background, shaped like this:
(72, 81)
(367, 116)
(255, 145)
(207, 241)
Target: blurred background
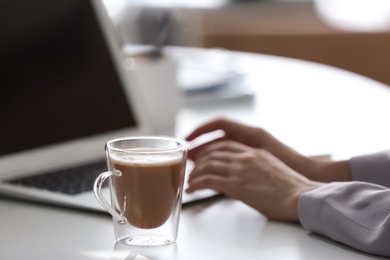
(349, 34)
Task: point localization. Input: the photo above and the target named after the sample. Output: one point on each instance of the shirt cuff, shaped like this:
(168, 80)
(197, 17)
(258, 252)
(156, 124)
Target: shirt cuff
(352, 213)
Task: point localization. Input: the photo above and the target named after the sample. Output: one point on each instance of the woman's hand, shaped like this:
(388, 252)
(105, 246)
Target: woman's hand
(313, 169)
(250, 136)
(251, 175)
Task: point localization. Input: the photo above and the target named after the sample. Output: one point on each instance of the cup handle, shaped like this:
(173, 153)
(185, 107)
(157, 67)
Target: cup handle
(97, 190)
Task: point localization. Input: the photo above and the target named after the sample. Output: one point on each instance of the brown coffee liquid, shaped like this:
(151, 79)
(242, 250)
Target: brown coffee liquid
(149, 190)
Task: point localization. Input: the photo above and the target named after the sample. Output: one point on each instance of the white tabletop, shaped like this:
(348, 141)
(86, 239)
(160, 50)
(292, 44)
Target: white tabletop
(314, 108)
(221, 229)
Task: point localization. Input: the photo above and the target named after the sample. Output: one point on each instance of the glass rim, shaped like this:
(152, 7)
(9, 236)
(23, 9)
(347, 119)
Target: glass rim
(181, 144)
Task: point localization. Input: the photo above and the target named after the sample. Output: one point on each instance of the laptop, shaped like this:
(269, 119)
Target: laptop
(63, 95)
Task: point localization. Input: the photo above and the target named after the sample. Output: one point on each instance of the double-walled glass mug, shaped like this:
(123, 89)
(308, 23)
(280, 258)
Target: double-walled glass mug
(146, 176)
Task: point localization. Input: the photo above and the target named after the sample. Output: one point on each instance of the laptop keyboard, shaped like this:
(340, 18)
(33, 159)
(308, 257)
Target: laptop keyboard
(70, 181)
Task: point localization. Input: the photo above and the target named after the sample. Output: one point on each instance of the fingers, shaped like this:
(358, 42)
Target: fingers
(194, 152)
(214, 182)
(231, 129)
(250, 136)
(219, 145)
(216, 166)
(219, 124)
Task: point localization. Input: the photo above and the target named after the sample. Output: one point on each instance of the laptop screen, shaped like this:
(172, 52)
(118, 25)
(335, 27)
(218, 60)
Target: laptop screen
(57, 78)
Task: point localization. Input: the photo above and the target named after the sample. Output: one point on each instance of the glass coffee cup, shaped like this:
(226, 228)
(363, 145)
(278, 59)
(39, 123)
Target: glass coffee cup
(146, 176)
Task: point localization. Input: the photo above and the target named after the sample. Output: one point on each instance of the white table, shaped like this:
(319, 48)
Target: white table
(314, 108)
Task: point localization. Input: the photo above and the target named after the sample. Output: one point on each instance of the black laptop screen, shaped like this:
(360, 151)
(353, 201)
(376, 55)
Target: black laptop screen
(57, 80)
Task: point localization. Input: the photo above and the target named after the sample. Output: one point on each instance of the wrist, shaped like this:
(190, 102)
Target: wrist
(294, 199)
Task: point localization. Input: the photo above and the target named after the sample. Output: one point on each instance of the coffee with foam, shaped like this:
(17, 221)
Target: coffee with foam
(149, 187)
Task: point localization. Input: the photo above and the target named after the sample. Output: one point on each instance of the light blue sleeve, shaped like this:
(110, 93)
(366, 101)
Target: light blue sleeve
(354, 213)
